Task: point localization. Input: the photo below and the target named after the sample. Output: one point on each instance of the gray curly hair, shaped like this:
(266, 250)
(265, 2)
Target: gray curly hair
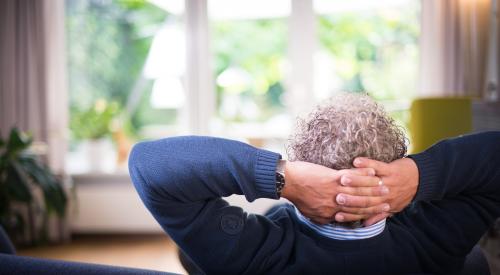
(347, 126)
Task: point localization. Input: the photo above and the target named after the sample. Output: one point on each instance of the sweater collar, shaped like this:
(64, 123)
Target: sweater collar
(339, 232)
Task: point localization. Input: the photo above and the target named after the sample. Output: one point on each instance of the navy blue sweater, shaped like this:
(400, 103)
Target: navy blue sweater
(182, 179)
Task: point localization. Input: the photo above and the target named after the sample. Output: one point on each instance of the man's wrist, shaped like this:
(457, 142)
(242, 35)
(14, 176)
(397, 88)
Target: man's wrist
(427, 171)
(265, 174)
(414, 177)
(280, 177)
(287, 190)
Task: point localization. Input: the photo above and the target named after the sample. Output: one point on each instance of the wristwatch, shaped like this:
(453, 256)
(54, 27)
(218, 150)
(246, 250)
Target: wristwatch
(280, 177)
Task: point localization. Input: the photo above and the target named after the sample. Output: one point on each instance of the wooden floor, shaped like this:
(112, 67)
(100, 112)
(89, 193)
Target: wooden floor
(155, 252)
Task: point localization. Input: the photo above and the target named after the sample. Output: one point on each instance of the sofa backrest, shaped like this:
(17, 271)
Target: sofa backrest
(6, 246)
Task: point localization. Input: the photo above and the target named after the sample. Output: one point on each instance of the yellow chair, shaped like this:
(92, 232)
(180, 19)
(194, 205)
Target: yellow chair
(434, 119)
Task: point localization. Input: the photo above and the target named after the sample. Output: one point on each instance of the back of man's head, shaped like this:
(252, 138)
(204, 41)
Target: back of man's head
(347, 126)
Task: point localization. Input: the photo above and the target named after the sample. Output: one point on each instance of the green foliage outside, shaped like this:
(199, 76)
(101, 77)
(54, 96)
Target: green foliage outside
(94, 122)
(258, 47)
(107, 42)
(376, 51)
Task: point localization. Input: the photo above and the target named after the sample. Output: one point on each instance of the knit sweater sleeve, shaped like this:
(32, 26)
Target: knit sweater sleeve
(464, 165)
(457, 201)
(181, 181)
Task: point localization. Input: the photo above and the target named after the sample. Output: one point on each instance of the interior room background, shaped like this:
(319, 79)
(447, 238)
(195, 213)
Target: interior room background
(89, 78)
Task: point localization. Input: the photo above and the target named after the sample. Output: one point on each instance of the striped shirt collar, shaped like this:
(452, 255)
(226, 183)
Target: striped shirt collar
(339, 232)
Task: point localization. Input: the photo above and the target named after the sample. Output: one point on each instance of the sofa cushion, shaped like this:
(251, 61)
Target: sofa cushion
(12, 264)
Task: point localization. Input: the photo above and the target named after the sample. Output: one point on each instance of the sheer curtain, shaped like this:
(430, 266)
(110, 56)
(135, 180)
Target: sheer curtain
(33, 82)
(455, 47)
(32, 73)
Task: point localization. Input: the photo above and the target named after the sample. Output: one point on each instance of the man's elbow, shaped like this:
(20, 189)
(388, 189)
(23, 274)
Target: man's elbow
(153, 171)
(136, 155)
(151, 165)
(137, 161)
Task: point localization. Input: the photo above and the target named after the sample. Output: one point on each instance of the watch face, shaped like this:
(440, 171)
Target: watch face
(280, 177)
(280, 183)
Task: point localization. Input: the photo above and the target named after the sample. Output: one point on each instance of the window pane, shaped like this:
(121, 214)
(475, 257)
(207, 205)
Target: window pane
(249, 41)
(368, 46)
(126, 65)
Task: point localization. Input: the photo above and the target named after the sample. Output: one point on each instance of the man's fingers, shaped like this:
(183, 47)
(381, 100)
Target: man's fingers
(375, 219)
(319, 220)
(358, 201)
(336, 175)
(359, 180)
(346, 217)
(370, 210)
(364, 191)
(380, 167)
(358, 171)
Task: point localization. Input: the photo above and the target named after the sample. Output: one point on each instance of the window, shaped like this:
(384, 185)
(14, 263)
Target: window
(369, 46)
(249, 47)
(125, 78)
(131, 72)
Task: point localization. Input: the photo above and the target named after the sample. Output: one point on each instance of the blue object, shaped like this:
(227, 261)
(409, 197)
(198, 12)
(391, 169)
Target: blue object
(182, 181)
(19, 265)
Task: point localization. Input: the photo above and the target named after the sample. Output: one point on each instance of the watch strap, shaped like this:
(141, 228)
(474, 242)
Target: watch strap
(280, 177)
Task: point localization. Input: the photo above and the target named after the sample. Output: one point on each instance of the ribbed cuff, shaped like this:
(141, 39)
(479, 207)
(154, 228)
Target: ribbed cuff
(265, 174)
(428, 172)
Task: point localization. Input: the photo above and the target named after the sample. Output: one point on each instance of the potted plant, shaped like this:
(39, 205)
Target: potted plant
(21, 175)
(92, 127)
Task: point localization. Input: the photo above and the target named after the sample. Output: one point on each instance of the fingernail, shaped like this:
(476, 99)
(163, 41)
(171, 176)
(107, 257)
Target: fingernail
(357, 162)
(386, 207)
(340, 199)
(345, 180)
(384, 190)
(371, 172)
(339, 218)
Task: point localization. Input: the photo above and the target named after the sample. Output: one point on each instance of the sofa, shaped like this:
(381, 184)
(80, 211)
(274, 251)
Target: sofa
(10, 263)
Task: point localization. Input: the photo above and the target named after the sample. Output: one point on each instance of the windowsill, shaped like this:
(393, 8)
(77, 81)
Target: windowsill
(119, 177)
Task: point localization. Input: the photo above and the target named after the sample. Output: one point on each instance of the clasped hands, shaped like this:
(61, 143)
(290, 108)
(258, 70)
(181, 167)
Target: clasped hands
(370, 192)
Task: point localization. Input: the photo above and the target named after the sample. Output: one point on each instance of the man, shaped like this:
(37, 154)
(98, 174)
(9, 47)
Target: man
(181, 180)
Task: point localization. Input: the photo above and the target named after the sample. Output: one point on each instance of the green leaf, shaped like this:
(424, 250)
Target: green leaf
(56, 200)
(132, 4)
(54, 195)
(18, 184)
(17, 141)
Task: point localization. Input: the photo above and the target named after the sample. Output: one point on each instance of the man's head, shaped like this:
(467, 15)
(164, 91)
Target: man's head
(347, 126)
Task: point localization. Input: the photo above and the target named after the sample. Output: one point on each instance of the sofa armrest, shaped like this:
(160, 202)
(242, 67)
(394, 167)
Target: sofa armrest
(6, 245)
(11, 264)
(476, 263)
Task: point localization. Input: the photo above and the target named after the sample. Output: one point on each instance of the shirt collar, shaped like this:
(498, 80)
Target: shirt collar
(340, 232)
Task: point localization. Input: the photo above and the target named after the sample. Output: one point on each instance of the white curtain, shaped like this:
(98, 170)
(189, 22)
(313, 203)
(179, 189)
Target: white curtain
(32, 73)
(455, 47)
